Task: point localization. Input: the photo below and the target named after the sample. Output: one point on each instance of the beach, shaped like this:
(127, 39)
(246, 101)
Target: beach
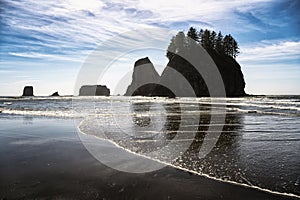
(42, 157)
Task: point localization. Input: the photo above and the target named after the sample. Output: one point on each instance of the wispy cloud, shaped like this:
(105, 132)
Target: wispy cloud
(72, 24)
(270, 51)
(53, 57)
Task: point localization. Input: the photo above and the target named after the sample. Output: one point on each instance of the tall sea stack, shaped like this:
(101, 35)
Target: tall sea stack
(144, 78)
(27, 91)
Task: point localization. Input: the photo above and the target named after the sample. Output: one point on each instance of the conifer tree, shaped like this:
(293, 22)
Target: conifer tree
(206, 39)
(171, 49)
(192, 33)
(179, 41)
(212, 40)
(235, 49)
(219, 43)
(200, 34)
(209, 40)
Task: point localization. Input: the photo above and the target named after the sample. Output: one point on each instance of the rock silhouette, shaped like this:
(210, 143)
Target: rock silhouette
(228, 67)
(55, 94)
(94, 90)
(144, 78)
(27, 91)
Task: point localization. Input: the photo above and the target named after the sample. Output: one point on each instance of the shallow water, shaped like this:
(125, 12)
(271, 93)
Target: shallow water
(255, 140)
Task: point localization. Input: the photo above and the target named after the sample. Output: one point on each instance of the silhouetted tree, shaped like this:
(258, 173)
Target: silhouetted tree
(179, 41)
(205, 39)
(200, 35)
(219, 43)
(171, 49)
(209, 40)
(212, 40)
(192, 33)
(235, 48)
(176, 45)
(192, 39)
(227, 45)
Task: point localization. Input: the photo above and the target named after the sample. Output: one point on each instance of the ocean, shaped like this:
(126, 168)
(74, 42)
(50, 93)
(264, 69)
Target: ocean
(251, 141)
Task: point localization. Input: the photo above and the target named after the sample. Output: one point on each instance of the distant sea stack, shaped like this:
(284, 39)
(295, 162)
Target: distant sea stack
(144, 75)
(55, 94)
(94, 90)
(27, 91)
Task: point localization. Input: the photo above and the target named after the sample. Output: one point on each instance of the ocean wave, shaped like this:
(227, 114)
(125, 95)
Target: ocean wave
(63, 106)
(63, 114)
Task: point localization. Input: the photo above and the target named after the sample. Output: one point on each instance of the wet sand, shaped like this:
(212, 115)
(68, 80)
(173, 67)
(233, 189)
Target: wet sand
(43, 158)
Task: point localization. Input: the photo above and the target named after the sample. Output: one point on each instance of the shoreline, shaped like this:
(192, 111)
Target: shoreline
(41, 153)
(197, 173)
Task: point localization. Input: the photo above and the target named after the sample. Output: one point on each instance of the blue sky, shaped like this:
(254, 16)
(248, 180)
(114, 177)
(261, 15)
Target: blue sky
(45, 43)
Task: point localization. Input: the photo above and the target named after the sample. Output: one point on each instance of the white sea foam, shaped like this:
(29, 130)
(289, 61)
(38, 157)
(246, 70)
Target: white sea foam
(64, 114)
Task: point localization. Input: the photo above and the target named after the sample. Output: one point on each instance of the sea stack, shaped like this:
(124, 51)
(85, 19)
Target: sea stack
(55, 94)
(229, 69)
(144, 78)
(144, 73)
(94, 90)
(27, 91)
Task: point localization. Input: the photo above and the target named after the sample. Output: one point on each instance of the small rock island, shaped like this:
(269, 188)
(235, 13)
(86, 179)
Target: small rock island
(94, 90)
(27, 91)
(55, 94)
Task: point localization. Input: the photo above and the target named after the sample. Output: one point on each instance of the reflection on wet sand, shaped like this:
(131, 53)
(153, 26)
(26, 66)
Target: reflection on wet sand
(220, 162)
(27, 120)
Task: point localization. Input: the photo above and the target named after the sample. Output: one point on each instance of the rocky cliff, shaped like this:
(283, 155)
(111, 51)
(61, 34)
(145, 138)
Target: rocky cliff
(94, 90)
(144, 73)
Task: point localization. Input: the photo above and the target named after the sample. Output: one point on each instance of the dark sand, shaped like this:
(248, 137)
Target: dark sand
(42, 158)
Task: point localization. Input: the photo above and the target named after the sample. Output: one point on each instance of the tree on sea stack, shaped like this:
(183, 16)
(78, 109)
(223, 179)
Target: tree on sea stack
(176, 45)
(179, 41)
(222, 50)
(235, 48)
(209, 40)
(192, 33)
(171, 48)
(219, 43)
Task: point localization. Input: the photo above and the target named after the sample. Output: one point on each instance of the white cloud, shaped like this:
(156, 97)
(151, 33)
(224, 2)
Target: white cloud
(48, 56)
(271, 67)
(270, 51)
(90, 22)
(196, 10)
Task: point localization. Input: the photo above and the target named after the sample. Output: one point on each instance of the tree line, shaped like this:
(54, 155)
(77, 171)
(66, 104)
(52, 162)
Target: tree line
(209, 40)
